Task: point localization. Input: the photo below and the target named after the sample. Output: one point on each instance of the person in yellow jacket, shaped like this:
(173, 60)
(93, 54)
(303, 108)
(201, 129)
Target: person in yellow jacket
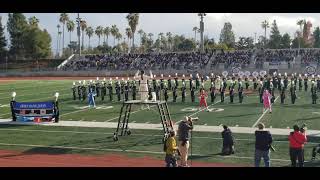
(171, 150)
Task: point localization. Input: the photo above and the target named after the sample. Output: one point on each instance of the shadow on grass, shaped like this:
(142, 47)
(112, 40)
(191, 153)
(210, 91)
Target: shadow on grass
(45, 150)
(315, 163)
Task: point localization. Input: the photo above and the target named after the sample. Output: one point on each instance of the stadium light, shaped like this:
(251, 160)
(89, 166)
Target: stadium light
(201, 15)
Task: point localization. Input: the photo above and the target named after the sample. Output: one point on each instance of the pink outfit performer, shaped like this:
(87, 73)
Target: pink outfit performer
(266, 100)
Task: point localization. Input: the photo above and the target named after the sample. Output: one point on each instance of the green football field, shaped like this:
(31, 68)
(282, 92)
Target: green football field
(206, 146)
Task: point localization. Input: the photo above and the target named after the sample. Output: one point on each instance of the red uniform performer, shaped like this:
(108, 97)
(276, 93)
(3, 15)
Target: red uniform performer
(203, 102)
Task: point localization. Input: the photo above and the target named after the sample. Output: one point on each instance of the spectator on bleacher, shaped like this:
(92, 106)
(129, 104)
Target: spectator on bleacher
(262, 146)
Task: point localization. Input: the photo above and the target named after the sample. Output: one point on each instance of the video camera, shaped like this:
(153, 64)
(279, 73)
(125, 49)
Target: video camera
(302, 128)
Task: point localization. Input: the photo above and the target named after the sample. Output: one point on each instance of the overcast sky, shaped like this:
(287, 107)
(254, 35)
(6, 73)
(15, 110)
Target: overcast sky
(243, 24)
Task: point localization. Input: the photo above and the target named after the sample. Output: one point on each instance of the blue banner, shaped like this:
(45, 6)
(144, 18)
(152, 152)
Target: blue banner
(33, 105)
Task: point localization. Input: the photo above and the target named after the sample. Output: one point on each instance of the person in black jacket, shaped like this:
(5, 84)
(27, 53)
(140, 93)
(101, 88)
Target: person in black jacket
(262, 146)
(228, 141)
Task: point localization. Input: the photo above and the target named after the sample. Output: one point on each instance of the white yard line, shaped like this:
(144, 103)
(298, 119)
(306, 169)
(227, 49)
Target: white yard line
(255, 124)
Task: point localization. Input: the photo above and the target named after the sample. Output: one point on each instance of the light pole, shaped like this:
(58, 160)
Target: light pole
(78, 33)
(201, 30)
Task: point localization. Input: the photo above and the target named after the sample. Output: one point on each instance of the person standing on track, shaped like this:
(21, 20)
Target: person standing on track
(297, 140)
(203, 96)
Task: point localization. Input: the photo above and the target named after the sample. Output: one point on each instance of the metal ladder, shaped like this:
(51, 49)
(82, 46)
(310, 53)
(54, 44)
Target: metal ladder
(165, 119)
(123, 121)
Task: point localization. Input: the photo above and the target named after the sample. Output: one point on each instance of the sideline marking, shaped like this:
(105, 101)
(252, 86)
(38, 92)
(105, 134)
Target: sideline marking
(255, 124)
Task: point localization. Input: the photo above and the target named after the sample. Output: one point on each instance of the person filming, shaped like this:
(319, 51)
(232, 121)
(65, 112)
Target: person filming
(297, 140)
(184, 129)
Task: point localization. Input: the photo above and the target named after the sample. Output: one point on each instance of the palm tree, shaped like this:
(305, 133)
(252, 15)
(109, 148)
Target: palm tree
(59, 37)
(150, 36)
(58, 40)
(300, 23)
(70, 27)
(118, 37)
(265, 25)
(33, 21)
(133, 20)
(141, 32)
(83, 26)
(99, 31)
(114, 30)
(63, 19)
(106, 32)
(129, 34)
(89, 32)
(169, 36)
(195, 29)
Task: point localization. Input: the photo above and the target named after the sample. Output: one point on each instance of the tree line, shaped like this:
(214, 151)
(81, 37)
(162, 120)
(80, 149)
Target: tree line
(28, 41)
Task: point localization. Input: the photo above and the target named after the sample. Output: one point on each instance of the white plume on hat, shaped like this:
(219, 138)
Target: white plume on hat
(299, 75)
(74, 83)
(279, 74)
(90, 80)
(190, 75)
(13, 94)
(305, 75)
(285, 74)
(162, 75)
(97, 78)
(183, 75)
(312, 76)
(104, 79)
(117, 78)
(84, 82)
(79, 82)
(128, 78)
(169, 76)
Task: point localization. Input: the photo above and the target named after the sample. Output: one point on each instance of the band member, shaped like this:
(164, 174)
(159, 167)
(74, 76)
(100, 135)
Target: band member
(122, 84)
(79, 91)
(176, 80)
(134, 90)
(161, 82)
(74, 89)
(295, 80)
(203, 102)
(282, 92)
(280, 81)
(84, 90)
(165, 89)
(183, 92)
(293, 92)
(150, 90)
(247, 83)
(118, 91)
(174, 93)
(213, 92)
(318, 82)
(98, 87)
(266, 101)
(231, 91)
(103, 90)
(212, 78)
(157, 91)
(110, 90)
(190, 82)
(126, 91)
(305, 82)
(222, 90)
(240, 92)
(255, 84)
(169, 83)
(285, 81)
(183, 78)
(300, 82)
(272, 92)
(260, 90)
(314, 93)
(197, 81)
(192, 92)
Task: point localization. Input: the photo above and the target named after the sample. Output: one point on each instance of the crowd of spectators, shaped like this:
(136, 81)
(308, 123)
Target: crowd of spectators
(139, 61)
(191, 60)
